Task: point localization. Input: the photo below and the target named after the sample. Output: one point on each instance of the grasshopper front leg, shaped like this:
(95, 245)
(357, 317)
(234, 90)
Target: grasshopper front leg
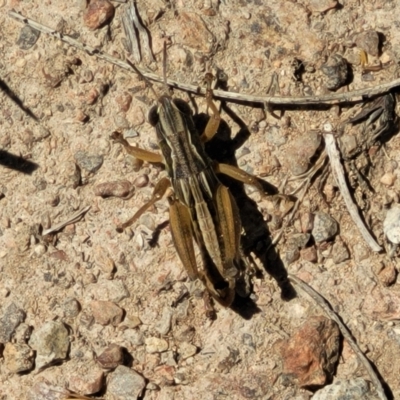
(137, 152)
(159, 191)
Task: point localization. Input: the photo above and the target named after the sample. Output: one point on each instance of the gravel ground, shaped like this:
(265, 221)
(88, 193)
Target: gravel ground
(113, 315)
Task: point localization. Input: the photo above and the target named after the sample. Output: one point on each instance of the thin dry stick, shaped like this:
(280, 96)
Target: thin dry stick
(338, 173)
(343, 329)
(70, 220)
(353, 96)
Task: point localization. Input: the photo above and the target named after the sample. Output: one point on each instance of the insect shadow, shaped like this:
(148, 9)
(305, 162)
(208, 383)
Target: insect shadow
(13, 96)
(256, 238)
(17, 163)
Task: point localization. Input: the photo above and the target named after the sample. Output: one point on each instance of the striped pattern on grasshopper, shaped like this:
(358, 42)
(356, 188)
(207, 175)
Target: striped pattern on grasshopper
(201, 208)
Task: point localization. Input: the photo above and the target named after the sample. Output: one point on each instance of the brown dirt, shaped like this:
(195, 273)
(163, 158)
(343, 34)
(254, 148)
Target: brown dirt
(237, 357)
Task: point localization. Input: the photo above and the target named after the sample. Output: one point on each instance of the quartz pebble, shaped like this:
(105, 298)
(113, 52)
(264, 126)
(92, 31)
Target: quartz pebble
(391, 225)
(51, 342)
(156, 345)
(125, 384)
(388, 179)
(186, 350)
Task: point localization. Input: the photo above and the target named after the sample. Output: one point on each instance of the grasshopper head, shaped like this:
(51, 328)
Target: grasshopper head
(169, 108)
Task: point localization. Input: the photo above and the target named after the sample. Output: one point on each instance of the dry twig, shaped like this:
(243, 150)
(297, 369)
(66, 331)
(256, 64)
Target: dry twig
(70, 220)
(338, 173)
(343, 329)
(353, 96)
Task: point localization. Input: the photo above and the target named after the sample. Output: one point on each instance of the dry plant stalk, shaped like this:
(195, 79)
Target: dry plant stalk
(70, 220)
(336, 98)
(338, 173)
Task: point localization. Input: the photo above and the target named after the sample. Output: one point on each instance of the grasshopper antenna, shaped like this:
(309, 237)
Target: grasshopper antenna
(165, 67)
(144, 78)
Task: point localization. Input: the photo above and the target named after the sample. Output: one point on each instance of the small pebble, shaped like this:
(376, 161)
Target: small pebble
(88, 382)
(9, 322)
(125, 384)
(391, 225)
(348, 144)
(106, 312)
(340, 252)
(306, 222)
(28, 37)
(18, 357)
(134, 337)
(309, 254)
(164, 323)
(292, 254)
(299, 240)
(54, 201)
(121, 122)
(156, 345)
(186, 350)
(111, 357)
(360, 252)
(44, 390)
(98, 14)
(336, 71)
(356, 388)
(325, 227)
(301, 150)
(388, 179)
(124, 101)
(387, 275)
(141, 181)
(71, 308)
(91, 96)
(51, 343)
(311, 354)
(369, 42)
(40, 249)
(22, 333)
(132, 321)
(321, 6)
(90, 163)
(122, 189)
(114, 291)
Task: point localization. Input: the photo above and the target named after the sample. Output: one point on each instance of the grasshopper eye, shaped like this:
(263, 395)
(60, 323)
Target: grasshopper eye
(183, 107)
(153, 116)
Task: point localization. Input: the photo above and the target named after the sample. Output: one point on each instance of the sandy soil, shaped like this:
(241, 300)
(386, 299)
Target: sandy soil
(70, 103)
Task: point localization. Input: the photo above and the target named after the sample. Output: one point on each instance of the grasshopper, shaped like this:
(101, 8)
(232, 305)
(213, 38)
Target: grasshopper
(201, 208)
